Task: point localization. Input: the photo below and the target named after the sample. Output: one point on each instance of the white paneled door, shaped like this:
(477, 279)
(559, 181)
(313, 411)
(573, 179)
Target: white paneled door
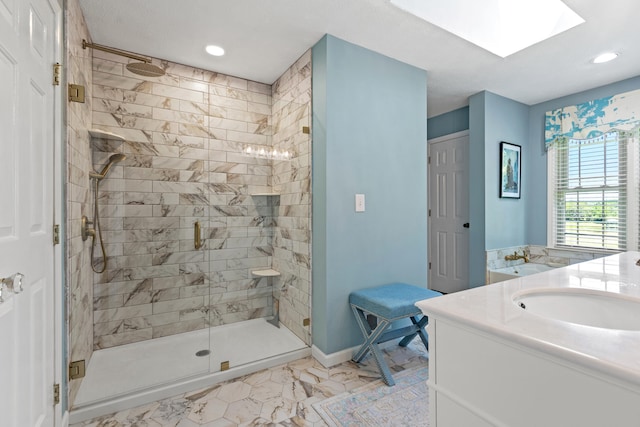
(449, 213)
(29, 43)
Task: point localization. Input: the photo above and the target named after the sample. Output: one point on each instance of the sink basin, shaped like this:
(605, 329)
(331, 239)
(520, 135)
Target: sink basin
(582, 306)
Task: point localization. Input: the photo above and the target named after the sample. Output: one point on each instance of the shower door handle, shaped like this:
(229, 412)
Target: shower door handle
(197, 240)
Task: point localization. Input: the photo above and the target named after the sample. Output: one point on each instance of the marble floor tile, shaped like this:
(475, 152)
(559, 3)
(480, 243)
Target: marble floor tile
(279, 396)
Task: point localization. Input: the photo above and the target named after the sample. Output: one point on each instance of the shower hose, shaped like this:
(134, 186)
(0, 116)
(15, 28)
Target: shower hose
(98, 228)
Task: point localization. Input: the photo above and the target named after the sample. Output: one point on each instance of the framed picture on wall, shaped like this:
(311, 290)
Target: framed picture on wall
(510, 170)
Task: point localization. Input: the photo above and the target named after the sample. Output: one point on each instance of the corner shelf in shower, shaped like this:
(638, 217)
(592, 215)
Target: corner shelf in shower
(97, 133)
(269, 272)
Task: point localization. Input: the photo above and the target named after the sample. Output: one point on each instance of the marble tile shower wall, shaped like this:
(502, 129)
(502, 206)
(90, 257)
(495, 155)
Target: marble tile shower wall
(78, 290)
(291, 96)
(185, 134)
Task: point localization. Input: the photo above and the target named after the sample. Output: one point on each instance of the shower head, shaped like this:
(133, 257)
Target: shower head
(142, 68)
(115, 158)
(145, 69)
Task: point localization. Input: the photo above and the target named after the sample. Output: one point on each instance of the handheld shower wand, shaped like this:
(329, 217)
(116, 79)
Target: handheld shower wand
(86, 230)
(115, 158)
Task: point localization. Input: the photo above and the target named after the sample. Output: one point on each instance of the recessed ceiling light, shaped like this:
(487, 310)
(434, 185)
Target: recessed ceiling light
(605, 57)
(214, 50)
(502, 27)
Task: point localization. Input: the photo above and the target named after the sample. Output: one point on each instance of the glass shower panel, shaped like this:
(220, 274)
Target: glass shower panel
(292, 229)
(241, 227)
(151, 304)
(258, 177)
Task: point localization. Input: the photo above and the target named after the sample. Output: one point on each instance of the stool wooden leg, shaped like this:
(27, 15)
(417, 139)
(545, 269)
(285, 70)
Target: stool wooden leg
(423, 334)
(420, 331)
(370, 344)
(371, 337)
(382, 366)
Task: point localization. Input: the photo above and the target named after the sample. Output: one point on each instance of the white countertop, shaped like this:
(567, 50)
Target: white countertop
(491, 309)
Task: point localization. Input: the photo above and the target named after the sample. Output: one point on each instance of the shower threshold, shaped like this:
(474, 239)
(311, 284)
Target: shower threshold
(134, 374)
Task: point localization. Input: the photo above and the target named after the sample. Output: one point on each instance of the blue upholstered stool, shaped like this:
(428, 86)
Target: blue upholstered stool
(389, 303)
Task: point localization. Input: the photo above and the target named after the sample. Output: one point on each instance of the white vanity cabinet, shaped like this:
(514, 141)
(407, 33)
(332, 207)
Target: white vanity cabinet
(493, 363)
(477, 379)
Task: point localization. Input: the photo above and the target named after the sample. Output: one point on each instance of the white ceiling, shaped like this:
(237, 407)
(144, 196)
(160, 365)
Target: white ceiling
(264, 37)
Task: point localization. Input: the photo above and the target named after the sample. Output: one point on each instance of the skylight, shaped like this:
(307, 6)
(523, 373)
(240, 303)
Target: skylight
(502, 27)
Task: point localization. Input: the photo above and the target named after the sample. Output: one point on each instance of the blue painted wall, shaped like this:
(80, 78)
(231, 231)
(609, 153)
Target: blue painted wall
(536, 162)
(505, 219)
(495, 222)
(448, 123)
(369, 136)
(477, 189)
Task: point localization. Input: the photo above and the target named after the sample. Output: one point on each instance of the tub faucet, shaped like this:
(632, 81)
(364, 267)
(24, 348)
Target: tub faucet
(515, 256)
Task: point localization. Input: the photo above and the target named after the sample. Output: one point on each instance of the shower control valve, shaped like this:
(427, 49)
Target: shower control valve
(86, 228)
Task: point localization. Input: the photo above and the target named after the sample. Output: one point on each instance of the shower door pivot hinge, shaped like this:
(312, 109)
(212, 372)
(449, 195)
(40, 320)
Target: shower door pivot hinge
(56, 73)
(306, 322)
(56, 234)
(224, 366)
(56, 394)
(306, 129)
(76, 369)
(76, 93)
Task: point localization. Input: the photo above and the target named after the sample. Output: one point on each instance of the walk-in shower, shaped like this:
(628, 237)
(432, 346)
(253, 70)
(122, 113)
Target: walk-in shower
(208, 247)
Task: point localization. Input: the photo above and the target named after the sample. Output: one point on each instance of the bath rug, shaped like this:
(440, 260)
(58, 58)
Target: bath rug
(377, 405)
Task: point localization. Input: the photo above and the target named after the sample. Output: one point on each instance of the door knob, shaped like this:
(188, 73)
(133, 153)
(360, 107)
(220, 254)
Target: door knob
(9, 284)
(13, 282)
(465, 225)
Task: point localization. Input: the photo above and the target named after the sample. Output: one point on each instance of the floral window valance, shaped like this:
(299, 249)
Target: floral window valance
(618, 113)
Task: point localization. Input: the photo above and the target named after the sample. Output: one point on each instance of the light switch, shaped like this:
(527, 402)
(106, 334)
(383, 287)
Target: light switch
(359, 202)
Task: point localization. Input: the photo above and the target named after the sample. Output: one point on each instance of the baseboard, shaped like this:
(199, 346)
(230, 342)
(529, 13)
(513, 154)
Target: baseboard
(329, 360)
(333, 359)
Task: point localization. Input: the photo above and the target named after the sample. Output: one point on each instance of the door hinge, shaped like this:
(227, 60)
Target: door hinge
(429, 160)
(57, 68)
(56, 234)
(429, 266)
(76, 369)
(56, 394)
(429, 212)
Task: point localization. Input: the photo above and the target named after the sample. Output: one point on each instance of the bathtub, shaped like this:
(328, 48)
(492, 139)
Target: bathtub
(502, 274)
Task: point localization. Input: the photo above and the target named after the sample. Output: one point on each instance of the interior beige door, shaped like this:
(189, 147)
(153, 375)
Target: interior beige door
(29, 40)
(449, 213)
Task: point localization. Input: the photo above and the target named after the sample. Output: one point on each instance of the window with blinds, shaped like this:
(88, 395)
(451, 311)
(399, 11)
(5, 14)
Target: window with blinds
(590, 189)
